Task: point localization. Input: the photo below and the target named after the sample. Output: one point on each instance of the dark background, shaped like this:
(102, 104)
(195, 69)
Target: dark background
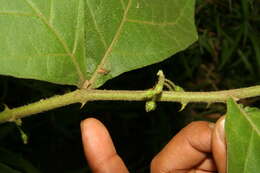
(226, 56)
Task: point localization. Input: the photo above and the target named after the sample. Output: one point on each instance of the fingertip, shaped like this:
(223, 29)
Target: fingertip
(96, 138)
(90, 124)
(99, 148)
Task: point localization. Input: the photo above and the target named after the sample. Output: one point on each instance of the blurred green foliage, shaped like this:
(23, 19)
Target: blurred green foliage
(226, 56)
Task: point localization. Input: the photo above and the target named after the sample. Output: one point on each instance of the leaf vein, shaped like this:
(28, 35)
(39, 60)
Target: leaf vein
(160, 23)
(110, 48)
(75, 44)
(96, 27)
(150, 22)
(171, 36)
(39, 55)
(51, 16)
(248, 152)
(249, 120)
(123, 4)
(56, 34)
(12, 13)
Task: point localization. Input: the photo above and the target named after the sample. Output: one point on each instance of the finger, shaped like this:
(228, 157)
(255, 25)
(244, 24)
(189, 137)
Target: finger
(99, 149)
(188, 149)
(207, 165)
(219, 145)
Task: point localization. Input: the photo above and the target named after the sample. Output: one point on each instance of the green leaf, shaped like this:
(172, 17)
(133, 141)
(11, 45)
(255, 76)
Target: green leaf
(69, 42)
(42, 39)
(243, 138)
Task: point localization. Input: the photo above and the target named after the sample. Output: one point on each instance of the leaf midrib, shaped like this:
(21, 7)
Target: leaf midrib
(109, 49)
(247, 152)
(117, 35)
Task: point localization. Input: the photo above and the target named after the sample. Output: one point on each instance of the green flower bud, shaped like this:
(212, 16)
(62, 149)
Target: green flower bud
(150, 106)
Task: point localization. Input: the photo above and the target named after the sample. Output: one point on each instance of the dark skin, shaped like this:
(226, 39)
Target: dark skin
(198, 148)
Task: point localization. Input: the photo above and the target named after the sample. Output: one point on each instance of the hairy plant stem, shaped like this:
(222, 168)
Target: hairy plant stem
(83, 95)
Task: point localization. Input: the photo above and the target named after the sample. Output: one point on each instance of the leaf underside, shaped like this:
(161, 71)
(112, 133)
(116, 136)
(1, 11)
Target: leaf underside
(243, 138)
(71, 41)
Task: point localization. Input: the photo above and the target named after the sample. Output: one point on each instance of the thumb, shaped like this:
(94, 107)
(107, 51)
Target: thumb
(219, 148)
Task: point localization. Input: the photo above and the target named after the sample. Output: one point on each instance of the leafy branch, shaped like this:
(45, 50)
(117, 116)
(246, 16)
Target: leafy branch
(85, 95)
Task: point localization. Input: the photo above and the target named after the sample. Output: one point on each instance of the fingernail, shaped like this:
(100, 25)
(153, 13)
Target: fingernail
(212, 125)
(221, 129)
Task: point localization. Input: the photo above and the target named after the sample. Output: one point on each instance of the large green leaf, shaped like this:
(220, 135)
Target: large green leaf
(243, 138)
(70, 41)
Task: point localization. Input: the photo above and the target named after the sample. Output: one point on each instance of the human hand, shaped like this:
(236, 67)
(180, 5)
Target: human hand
(198, 148)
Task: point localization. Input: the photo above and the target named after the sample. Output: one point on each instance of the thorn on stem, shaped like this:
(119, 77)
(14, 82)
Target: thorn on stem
(183, 106)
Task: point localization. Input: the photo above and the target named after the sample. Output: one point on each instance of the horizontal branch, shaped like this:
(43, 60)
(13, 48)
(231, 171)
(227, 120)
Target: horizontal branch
(83, 95)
